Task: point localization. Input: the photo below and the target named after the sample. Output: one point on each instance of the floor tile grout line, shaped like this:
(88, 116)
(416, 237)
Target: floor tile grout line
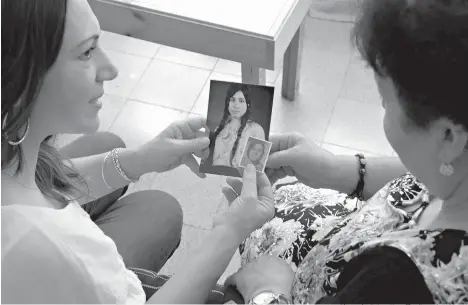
(142, 74)
(160, 59)
(118, 113)
(196, 227)
(154, 57)
(199, 94)
(188, 65)
(157, 51)
(157, 105)
(217, 61)
(139, 79)
(162, 45)
(201, 91)
(181, 64)
(106, 49)
(131, 92)
(336, 100)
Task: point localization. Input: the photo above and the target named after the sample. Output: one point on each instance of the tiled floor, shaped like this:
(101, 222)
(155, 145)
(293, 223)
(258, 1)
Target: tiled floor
(337, 105)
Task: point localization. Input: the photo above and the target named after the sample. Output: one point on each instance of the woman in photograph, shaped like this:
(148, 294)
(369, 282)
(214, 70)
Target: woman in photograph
(229, 138)
(254, 155)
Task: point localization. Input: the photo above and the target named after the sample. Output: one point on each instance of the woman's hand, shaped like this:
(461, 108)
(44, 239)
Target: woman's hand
(265, 274)
(294, 155)
(250, 203)
(174, 146)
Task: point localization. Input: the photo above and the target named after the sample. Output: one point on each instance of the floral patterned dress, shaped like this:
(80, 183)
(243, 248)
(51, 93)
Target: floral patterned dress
(319, 231)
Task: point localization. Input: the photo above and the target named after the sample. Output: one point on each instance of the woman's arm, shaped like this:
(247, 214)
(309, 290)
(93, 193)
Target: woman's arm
(199, 274)
(343, 174)
(175, 145)
(240, 216)
(91, 168)
(295, 155)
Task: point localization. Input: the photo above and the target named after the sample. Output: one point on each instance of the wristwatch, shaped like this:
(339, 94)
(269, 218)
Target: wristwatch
(269, 297)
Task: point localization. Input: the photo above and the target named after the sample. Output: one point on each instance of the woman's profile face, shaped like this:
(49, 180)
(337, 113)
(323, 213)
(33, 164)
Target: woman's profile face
(237, 105)
(256, 152)
(68, 101)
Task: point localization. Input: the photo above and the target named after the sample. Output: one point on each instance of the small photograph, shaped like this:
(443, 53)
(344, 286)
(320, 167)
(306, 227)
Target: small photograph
(236, 112)
(256, 152)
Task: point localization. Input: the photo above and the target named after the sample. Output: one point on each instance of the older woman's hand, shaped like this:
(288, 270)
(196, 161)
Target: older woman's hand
(250, 203)
(175, 145)
(293, 154)
(265, 274)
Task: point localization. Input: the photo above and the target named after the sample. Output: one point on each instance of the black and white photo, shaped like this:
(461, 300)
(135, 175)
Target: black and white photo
(256, 152)
(235, 113)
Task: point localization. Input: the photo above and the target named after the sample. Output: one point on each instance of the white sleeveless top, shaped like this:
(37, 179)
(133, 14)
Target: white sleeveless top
(62, 256)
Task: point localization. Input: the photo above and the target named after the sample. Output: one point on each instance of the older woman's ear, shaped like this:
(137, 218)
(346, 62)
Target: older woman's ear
(454, 143)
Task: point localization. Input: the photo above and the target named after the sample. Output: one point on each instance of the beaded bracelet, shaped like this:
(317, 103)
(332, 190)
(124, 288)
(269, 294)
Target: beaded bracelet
(358, 192)
(115, 161)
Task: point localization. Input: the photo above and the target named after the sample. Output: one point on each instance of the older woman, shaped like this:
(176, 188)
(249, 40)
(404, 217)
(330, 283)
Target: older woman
(398, 237)
(66, 235)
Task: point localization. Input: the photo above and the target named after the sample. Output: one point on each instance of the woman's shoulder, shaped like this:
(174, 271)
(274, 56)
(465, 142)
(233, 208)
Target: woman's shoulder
(28, 246)
(441, 257)
(69, 230)
(69, 245)
(253, 124)
(50, 271)
(405, 190)
(54, 222)
(56, 229)
(27, 224)
(26, 240)
(254, 128)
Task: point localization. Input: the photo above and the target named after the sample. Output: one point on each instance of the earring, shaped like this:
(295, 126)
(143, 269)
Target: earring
(446, 170)
(13, 143)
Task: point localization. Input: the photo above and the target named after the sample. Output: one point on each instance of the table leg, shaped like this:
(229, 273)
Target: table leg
(291, 66)
(252, 75)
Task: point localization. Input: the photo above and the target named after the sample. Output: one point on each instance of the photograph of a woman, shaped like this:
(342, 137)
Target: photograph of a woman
(237, 123)
(256, 153)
